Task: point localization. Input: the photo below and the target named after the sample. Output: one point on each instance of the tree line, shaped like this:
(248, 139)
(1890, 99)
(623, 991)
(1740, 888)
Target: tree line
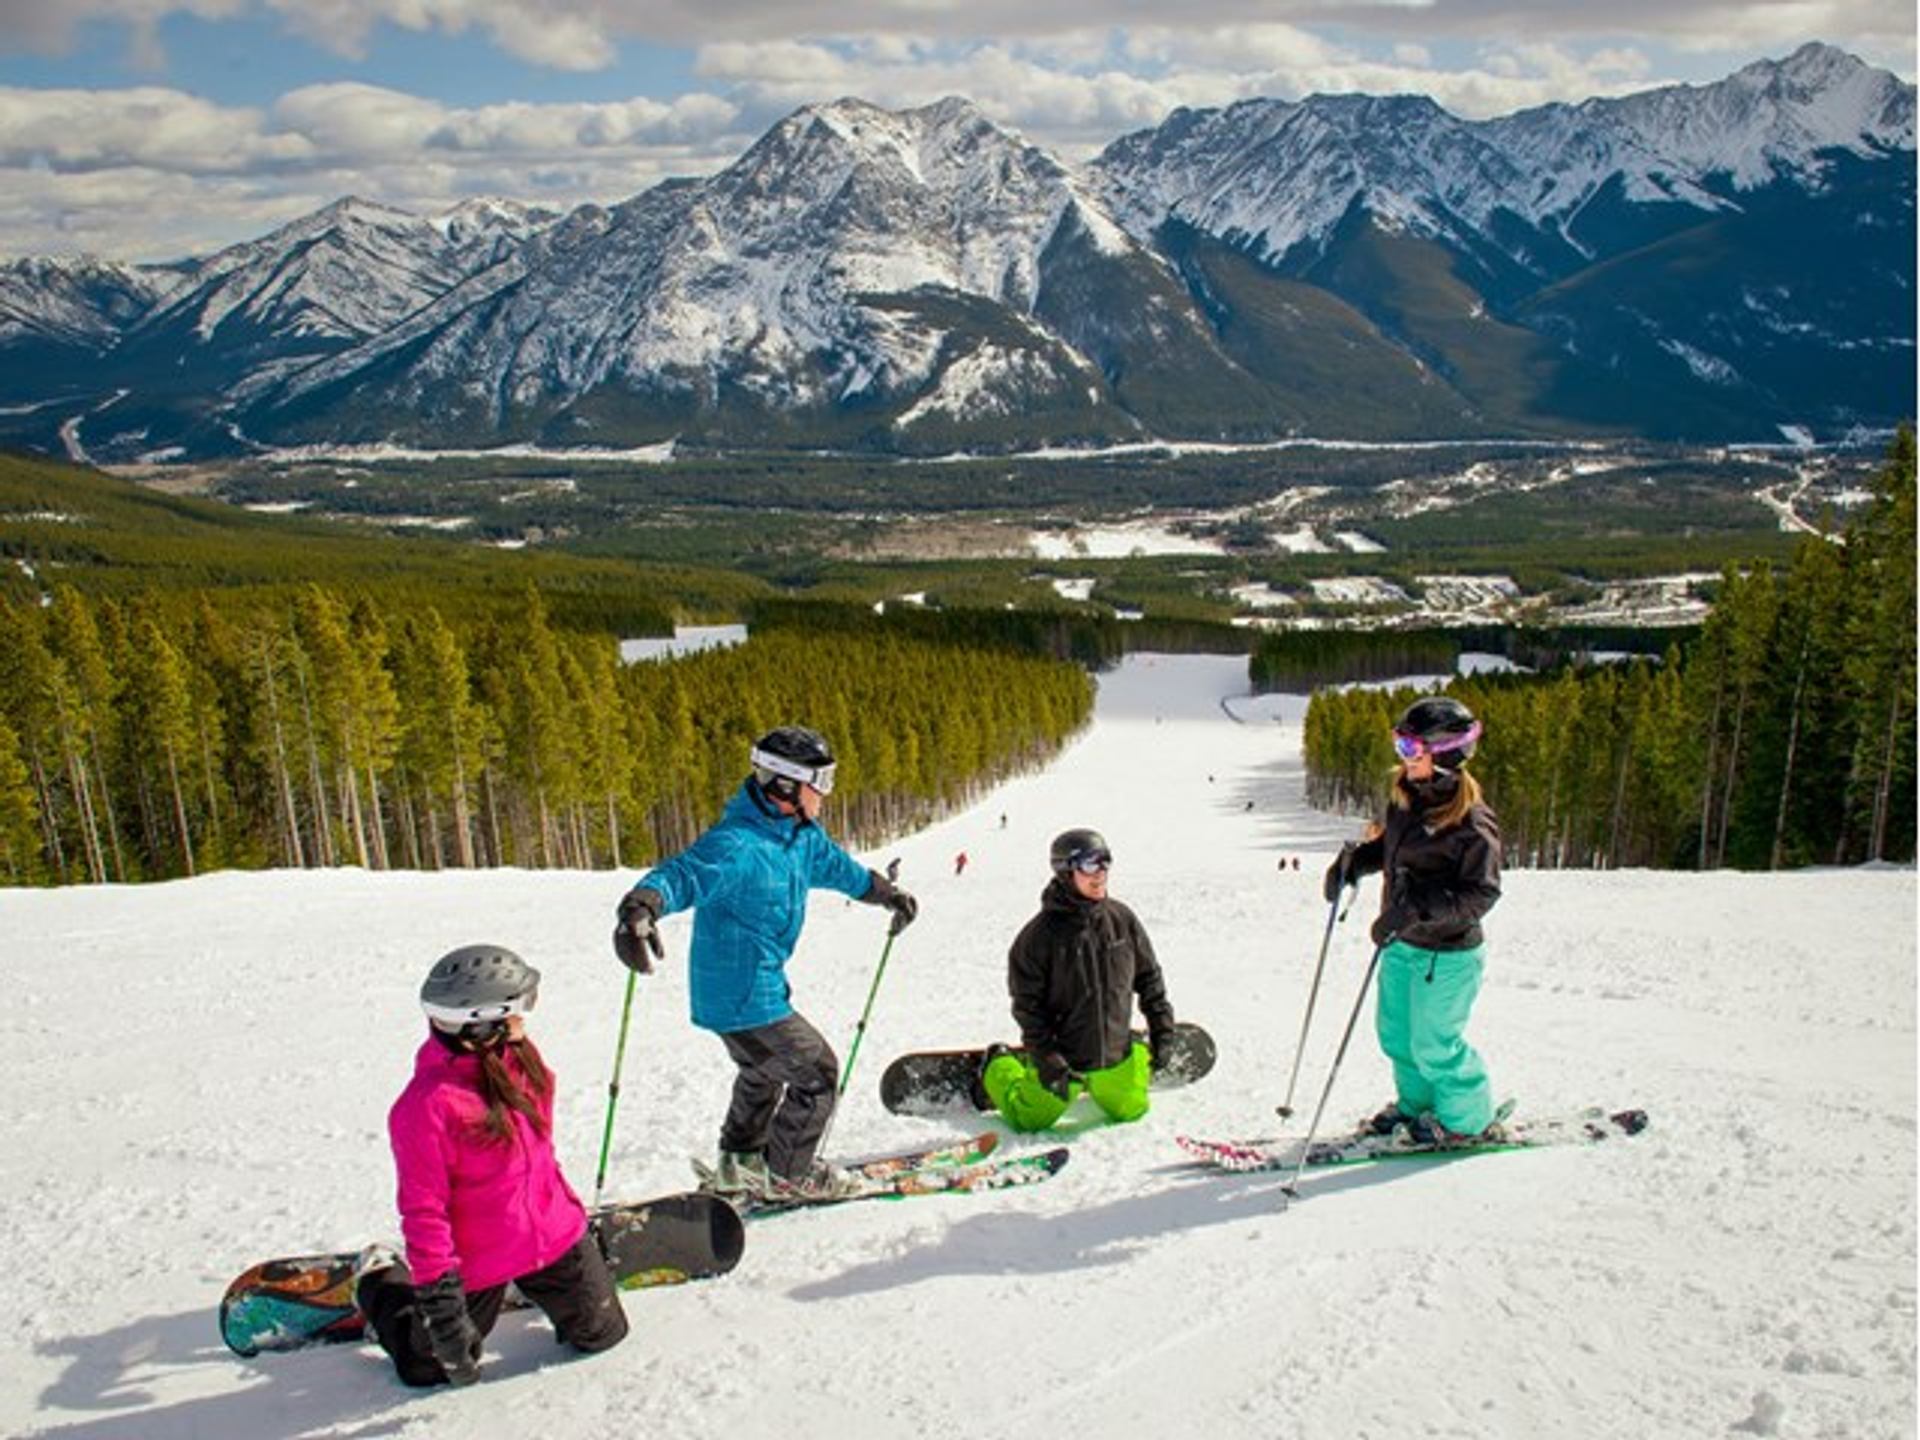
(1783, 734)
(187, 730)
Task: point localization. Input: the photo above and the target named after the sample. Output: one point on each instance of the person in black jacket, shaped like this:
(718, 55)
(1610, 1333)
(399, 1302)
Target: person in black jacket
(1073, 973)
(1439, 854)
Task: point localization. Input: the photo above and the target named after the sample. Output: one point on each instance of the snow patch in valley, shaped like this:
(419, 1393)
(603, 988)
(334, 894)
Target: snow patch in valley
(685, 640)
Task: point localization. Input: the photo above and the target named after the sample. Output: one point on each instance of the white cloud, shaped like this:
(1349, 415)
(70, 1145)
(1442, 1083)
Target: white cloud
(1067, 75)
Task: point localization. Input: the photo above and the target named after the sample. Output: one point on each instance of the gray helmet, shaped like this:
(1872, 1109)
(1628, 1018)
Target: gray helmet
(478, 986)
(791, 756)
(1070, 847)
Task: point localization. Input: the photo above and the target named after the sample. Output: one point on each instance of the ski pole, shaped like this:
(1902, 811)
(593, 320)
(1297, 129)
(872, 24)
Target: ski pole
(1306, 1149)
(860, 1030)
(1335, 911)
(853, 1052)
(613, 1089)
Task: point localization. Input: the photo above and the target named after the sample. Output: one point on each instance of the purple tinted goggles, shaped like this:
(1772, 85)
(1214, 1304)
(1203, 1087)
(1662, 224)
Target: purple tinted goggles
(1409, 747)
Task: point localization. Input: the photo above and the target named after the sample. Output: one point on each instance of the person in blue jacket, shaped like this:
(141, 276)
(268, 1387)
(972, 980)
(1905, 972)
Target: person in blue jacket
(746, 880)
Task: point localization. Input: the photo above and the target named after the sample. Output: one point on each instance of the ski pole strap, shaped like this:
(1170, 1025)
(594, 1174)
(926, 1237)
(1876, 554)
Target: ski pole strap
(613, 1089)
(860, 1030)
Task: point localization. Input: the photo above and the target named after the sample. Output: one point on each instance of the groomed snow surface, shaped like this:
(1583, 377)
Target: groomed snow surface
(199, 1074)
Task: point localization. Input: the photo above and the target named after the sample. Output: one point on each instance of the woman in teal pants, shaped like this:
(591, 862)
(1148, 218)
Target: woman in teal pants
(1439, 849)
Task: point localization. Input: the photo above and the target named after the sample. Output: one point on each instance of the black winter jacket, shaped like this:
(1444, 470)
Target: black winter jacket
(1438, 883)
(1073, 972)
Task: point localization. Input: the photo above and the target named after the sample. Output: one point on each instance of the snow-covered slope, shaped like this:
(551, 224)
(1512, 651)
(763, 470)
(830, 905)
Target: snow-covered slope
(1275, 175)
(342, 274)
(199, 1074)
(832, 263)
(80, 301)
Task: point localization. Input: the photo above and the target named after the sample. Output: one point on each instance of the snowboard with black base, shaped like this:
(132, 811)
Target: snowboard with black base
(305, 1300)
(945, 1082)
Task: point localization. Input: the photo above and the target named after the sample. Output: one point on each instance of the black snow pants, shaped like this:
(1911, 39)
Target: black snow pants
(576, 1292)
(783, 1095)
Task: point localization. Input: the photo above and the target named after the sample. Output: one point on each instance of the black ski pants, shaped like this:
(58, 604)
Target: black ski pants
(576, 1292)
(783, 1095)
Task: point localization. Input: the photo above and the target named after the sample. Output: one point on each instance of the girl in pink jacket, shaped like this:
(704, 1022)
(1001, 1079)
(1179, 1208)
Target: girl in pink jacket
(482, 1199)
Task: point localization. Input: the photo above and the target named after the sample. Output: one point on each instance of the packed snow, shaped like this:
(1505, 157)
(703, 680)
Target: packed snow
(201, 1072)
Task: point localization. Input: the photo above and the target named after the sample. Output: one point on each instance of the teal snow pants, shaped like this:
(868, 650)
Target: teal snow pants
(1425, 998)
(1013, 1084)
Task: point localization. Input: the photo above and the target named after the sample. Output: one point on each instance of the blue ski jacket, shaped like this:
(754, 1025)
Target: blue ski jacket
(746, 880)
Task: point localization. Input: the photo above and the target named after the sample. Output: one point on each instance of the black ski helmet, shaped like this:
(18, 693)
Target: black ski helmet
(1446, 726)
(791, 756)
(473, 991)
(1071, 846)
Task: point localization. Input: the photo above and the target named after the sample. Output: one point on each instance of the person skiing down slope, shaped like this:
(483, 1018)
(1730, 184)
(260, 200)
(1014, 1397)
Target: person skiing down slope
(482, 1200)
(1439, 849)
(1073, 973)
(747, 880)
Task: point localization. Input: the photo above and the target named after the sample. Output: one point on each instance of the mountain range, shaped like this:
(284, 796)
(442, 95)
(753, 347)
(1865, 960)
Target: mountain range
(1717, 262)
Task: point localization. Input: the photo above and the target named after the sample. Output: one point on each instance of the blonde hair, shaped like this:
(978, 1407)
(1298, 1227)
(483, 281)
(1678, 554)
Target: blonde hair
(1449, 814)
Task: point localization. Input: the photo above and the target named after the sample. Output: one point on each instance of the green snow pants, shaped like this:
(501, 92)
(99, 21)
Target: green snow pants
(1425, 997)
(1013, 1084)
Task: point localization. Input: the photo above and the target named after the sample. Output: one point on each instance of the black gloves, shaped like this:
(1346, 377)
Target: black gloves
(451, 1333)
(637, 930)
(882, 891)
(1339, 873)
(1160, 1045)
(1054, 1072)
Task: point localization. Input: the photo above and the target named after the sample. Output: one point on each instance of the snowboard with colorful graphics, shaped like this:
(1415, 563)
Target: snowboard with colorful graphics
(1585, 1127)
(304, 1300)
(941, 1082)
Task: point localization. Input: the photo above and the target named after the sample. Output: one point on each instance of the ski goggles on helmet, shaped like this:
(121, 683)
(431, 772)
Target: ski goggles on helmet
(1411, 747)
(820, 777)
(494, 1012)
(1090, 862)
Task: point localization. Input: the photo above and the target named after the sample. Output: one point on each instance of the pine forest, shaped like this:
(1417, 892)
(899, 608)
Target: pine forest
(1783, 734)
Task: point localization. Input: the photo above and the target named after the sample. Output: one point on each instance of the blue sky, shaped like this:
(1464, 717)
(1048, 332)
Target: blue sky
(148, 129)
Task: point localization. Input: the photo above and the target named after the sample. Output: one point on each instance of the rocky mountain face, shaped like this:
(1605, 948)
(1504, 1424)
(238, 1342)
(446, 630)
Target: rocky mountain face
(1706, 262)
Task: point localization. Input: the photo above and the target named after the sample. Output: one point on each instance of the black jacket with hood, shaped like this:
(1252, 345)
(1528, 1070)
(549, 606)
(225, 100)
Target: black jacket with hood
(1073, 973)
(1438, 882)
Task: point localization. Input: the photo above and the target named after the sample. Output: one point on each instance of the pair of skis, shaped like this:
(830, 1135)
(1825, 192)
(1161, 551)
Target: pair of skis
(959, 1168)
(1584, 1127)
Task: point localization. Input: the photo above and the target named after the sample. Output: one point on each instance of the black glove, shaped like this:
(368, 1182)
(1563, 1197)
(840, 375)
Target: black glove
(451, 1333)
(882, 891)
(637, 930)
(1054, 1072)
(1160, 1046)
(1339, 873)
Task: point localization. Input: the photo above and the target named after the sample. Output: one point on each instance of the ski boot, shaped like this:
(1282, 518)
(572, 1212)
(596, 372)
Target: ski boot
(740, 1175)
(1390, 1118)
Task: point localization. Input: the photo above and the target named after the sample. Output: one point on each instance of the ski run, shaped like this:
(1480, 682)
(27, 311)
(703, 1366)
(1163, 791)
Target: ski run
(199, 1074)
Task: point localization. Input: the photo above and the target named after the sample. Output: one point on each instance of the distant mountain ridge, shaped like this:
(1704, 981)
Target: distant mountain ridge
(1708, 262)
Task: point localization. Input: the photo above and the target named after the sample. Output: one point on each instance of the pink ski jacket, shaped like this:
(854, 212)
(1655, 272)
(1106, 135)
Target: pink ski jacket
(493, 1211)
